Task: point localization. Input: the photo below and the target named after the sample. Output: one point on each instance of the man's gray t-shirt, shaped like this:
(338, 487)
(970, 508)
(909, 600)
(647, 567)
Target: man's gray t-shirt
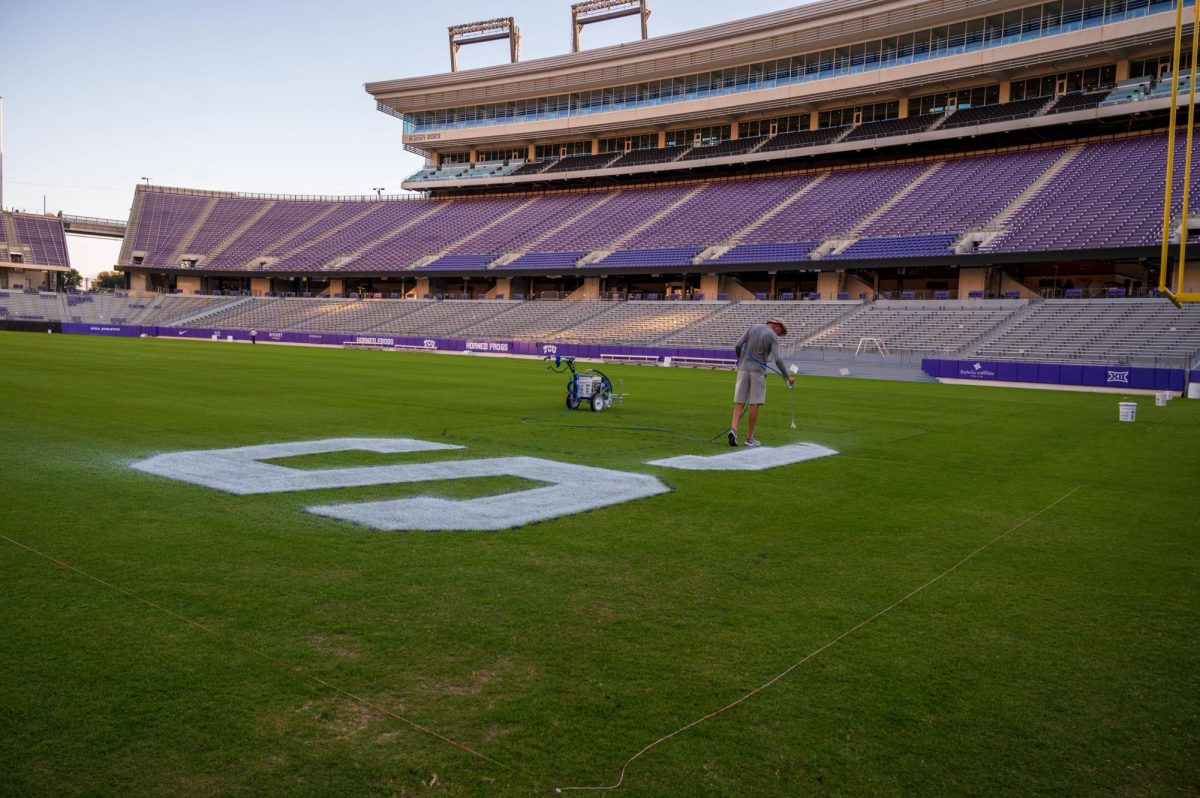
(758, 347)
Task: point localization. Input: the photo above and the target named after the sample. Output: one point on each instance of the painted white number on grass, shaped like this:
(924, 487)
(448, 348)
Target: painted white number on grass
(571, 489)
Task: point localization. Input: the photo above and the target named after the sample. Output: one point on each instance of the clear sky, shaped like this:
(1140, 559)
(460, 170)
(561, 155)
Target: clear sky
(242, 96)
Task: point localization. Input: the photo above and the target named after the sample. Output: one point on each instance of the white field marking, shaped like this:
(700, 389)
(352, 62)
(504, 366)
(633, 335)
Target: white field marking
(269, 658)
(625, 767)
(757, 459)
(239, 471)
(572, 489)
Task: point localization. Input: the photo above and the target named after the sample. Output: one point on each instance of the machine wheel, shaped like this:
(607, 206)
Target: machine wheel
(572, 402)
(597, 402)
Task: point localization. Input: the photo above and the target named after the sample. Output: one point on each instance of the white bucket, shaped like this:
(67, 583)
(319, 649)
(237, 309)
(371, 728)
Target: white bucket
(1128, 411)
(1194, 390)
(1161, 398)
(666, 361)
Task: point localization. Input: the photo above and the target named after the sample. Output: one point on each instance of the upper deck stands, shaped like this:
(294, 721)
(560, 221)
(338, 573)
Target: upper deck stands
(1104, 195)
(44, 236)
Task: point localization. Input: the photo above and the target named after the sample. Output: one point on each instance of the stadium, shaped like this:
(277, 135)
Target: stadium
(337, 533)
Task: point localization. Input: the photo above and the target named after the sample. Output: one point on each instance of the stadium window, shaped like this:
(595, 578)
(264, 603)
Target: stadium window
(1093, 13)
(858, 58)
(825, 64)
(973, 37)
(1012, 27)
(812, 66)
(872, 57)
(887, 52)
(939, 40)
(958, 38)
(1051, 18)
(921, 46)
(1137, 8)
(1031, 23)
(841, 61)
(1072, 15)
(993, 30)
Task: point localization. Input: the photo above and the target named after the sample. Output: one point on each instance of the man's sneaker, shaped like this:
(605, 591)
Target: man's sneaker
(752, 442)
(733, 437)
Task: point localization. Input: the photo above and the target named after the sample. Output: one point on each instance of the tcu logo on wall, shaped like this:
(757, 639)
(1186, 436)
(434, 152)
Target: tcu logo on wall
(569, 488)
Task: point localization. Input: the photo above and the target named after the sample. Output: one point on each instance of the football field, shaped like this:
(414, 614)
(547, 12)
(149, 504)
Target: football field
(985, 591)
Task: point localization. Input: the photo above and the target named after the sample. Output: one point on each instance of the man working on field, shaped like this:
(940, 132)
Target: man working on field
(758, 347)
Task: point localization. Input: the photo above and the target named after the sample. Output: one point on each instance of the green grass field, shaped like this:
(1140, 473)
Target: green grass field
(193, 642)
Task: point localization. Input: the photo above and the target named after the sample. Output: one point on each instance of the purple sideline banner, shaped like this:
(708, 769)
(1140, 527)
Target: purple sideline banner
(527, 348)
(126, 330)
(1135, 378)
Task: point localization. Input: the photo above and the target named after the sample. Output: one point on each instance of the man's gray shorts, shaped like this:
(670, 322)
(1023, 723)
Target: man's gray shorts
(751, 388)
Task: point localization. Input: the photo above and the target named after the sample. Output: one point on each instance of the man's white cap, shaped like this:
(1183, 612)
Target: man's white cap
(779, 321)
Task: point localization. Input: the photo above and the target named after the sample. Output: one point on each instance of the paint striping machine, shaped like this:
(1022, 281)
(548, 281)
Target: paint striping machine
(591, 388)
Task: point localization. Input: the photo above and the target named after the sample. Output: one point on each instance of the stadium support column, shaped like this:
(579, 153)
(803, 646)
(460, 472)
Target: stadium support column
(502, 288)
(259, 286)
(589, 290)
(188, 283)
(1005, 90)
(1123, 68)
(856, 287)
(422, 288)
(971, 280)
(710, 285)
(828, 284)
(337, 287)
(903, 112)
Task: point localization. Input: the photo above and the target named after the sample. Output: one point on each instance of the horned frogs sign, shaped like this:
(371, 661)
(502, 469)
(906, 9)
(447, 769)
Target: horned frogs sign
(570, 488)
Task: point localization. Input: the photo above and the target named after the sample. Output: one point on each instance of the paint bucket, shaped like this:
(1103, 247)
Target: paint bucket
(1194, 390)
(1161, 398)
(1128, 411)
(666, 361)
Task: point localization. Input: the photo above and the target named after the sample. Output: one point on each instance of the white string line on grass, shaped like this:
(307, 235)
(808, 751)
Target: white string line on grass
(268, 657)
(807, 657)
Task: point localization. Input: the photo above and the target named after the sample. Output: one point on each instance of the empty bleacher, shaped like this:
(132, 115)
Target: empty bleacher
(105, 308)
(725, 328)
(924, 327)
(169, 308)
(1100, 331)
(1108, 191)
(538, 321)
(356, 316)
(444, 318)
(266, 313)
(19, 306)
(985, 114)
(639, 322)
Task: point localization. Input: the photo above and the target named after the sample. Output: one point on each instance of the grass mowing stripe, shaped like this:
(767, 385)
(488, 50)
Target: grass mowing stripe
(265, 656)
(834, 641)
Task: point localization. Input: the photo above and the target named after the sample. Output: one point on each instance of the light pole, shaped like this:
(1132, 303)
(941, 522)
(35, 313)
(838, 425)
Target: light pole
(378, 191)
(147, 180)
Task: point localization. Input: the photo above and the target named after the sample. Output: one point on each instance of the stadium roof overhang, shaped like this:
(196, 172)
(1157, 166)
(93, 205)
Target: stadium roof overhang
(1072, 50)
(782, 33)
